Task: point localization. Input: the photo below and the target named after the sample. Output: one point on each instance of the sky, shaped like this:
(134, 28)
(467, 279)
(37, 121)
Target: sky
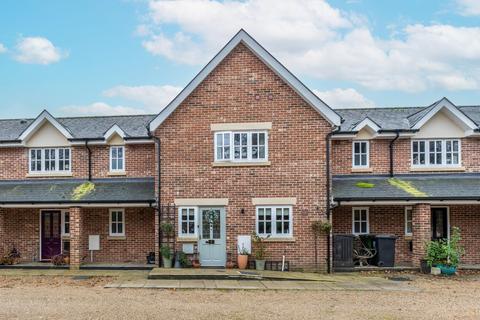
(115, 57)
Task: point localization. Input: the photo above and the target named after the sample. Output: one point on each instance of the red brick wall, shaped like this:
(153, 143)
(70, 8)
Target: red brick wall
(139, 161)
(383, 220)
(21, 229)
(139, 238)
(380, 156)
(296, 152)
(467, 218)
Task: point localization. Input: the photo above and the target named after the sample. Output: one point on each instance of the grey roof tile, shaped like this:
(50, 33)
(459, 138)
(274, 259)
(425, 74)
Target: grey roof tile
(407, 187)
(83, 127)
(62, 191)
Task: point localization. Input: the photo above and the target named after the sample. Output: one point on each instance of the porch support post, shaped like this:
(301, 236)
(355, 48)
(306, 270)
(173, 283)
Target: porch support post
(75, 238)
(157, 237)
(421, 227)
(3, 237)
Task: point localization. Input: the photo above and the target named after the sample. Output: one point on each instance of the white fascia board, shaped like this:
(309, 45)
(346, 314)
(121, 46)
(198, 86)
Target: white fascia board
(39, 121)
(444, 103)
(114, 129)
(243, 37)
(367, 122)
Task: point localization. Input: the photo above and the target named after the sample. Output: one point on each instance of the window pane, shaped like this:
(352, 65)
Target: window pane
(356, 227)
(262, 139)
(364, 147)
(120, 228)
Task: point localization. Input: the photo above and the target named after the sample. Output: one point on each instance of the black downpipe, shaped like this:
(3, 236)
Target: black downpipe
(89, 160)
(159, 196)
(391, 152)
(328, 207)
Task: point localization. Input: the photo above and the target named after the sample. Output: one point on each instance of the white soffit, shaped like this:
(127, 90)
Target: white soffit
(243, 37)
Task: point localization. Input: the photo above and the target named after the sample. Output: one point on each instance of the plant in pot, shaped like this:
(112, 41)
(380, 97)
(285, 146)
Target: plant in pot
(230, 264)
(445, 254)
(242, 258)
(184, 260)
(260, 251)
(167, 256)
(167, 229)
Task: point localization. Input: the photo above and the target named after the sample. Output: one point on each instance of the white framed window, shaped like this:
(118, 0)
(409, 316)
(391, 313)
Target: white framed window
(65, 223)
(50, 160)
(187, 221)
(360, 221)
(275, 221)
(117, 158)
(361, 154)
(408, 221)
(248, 146)
(117, 222)
(436, 153)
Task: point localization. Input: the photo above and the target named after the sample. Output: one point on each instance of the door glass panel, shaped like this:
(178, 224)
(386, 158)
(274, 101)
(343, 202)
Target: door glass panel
(205, 225)
(56, 226)
(215, 214)
(46, 225)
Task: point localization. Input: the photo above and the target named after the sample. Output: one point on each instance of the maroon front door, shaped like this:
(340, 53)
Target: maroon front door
(51, 234)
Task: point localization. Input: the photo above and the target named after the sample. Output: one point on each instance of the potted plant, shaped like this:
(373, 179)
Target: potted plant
(260, 251)
(183, 260)
(230, 264)
(166, 253)
(167, 229)
(242, 258)
(445, 254)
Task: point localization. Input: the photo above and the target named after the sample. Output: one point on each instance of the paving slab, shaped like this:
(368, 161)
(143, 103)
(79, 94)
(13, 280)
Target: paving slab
(162, 284)
(192, 284)
(283, 285)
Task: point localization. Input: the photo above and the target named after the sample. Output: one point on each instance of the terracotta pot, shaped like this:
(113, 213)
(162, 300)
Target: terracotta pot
(242, 261)
(230, 265)
(196, 264)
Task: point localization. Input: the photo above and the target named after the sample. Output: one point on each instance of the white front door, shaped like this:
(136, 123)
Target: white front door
(212, 245)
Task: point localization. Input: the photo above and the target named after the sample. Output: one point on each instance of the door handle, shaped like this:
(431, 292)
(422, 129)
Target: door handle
(210, 241)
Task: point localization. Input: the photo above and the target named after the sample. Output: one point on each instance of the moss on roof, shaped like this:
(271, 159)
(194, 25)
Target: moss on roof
(83, 190)
(406, 186)
(362, 184)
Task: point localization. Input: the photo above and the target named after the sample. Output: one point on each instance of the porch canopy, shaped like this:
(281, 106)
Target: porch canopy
(411, 188)
(58, 192)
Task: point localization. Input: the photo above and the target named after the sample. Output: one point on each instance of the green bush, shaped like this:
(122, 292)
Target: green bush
(166, 252)
(444, 251)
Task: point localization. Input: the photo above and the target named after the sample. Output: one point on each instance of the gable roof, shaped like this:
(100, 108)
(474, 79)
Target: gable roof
(444, 104)
(243, 37)
(367, 122)
(43, 118)
(115, 129)
(408, 118)
(134, 126)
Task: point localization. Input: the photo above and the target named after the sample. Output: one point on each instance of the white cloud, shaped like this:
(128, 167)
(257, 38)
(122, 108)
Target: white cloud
(155, 98)
(2, 48)
(344, 98)
(99, 109)
(469, 7)
(37, 50)
(313, 38)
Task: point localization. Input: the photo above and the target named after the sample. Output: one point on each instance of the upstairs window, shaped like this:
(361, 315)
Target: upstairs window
(361, 155)
(241, 146)
(436, 153)
(117, 158)
(50, 160)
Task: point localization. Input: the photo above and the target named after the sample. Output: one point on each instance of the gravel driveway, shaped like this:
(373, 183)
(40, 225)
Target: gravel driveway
(53, 297)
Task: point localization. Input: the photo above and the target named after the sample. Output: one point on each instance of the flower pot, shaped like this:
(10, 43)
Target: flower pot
(242, 261)
(167, 263)
(196, 264)
(260, 265)
(230, 265)
(447, 270)
(424, 267)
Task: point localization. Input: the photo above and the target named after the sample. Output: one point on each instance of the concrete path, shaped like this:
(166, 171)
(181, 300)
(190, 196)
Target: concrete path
(362, 284)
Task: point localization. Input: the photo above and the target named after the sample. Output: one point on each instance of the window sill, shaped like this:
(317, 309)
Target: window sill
(44, 174)
(279, 239)
(241, 164)
(187, 239)
(116, 238)
(440, 169)
(408, 237)
(361, 170)
(117, 173)
(66, 237)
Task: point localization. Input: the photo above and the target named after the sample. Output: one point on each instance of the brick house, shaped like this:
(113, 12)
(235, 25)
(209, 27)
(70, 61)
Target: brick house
(244, 148)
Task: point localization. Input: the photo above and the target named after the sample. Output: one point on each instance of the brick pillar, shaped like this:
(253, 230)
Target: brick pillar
(3, 237)
(75, 238)
(421, 225)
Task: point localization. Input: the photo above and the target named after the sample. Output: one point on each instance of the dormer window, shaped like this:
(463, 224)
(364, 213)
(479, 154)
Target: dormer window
(248, 146)
(117, 159)
(436, 153)
(50, 160)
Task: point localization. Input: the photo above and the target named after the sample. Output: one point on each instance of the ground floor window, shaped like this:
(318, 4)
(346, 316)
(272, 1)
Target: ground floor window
(408, 221)
(117, 222)
(187, 221)
(360, 223)
(65, 223)
(274, 221)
